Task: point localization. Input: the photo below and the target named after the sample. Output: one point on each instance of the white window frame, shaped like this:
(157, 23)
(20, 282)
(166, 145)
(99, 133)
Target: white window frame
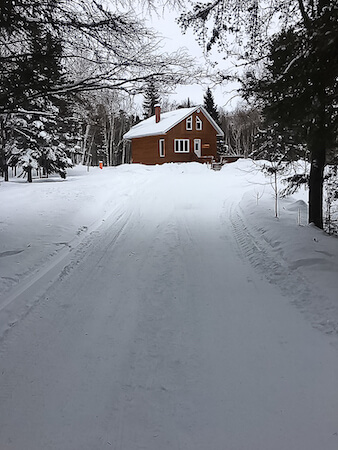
(188, 123)
(198, 147)
(161, 148)
(199, 124)
(181, 145)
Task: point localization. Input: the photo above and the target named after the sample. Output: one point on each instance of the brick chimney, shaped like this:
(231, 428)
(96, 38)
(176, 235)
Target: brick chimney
(157, 113)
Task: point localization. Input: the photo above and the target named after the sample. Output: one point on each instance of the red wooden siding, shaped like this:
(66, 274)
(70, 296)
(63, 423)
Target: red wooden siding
(145, 150)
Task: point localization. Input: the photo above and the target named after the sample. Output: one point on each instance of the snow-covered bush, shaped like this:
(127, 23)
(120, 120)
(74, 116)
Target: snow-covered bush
(35, 141)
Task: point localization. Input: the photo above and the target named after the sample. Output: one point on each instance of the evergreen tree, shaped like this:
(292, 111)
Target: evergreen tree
(299, 89)
(151, 98)
(52, 49)
(272, 141)
(35, 142)
(299, 101)
(210, 106)
(30, 53)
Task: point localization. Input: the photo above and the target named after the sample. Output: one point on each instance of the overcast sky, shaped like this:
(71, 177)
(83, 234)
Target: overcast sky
(224, 96)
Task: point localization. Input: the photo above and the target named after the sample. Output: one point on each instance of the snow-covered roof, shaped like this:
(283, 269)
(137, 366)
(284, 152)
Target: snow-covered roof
(149, 127)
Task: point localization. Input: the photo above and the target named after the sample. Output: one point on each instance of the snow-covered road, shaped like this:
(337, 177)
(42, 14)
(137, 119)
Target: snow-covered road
(160, 335)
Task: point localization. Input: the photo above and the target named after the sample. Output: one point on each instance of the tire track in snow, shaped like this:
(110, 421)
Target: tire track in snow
(18, 303)
(86, 349)
(154, 364)
(266, 260)
(158, 360)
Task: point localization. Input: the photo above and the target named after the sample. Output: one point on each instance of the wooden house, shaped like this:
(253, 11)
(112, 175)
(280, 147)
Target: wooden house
(183, 135)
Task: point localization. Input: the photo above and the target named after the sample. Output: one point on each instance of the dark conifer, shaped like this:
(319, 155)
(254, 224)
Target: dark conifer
(210, 106)
(31, 60)
(300, 88)
(151, 98)
(299, 100)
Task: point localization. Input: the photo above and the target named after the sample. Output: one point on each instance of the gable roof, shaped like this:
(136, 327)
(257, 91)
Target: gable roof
(149, 127)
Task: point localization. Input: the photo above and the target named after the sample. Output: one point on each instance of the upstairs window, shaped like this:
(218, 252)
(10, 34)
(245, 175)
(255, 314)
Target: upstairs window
(188, 123)
(181, 145)
(199, 124)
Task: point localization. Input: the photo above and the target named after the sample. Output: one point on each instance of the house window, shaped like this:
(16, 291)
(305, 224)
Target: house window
(188, 123)
(199, 124)
(181, 145)
(197, 147)
(161, 148)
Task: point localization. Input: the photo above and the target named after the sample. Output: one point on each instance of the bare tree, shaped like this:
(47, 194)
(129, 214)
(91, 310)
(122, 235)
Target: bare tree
(56, 49)
(90, 47)
(240, 128)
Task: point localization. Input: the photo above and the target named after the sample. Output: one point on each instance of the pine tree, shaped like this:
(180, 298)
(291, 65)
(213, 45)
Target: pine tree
(210, 106)
(36, 142)
(151, 98)
(300, 88)
(30, 53)
(299, 100)
(30, 60)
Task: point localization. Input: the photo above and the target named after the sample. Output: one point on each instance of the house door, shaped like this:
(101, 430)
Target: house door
(197, 147)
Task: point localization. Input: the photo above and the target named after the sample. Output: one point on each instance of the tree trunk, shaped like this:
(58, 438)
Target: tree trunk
(123, 152)
(317, 149)
(106, 132)
(29, 175)
(275, 187)
(84, 148)
(6, 177)
(111, 143)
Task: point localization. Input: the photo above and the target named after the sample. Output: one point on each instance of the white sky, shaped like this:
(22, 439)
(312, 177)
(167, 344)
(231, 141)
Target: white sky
(225, 96)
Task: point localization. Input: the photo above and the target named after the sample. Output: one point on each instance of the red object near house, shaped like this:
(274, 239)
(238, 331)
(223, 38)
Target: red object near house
(183, 135)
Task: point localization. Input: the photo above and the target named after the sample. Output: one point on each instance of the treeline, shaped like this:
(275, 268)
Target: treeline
(288, 69)
(247, 134)
(282, 153)
(104, 118)
(87, 132)
(66, 69)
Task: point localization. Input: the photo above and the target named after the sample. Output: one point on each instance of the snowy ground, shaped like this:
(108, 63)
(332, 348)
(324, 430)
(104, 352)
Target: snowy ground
(165, 308)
